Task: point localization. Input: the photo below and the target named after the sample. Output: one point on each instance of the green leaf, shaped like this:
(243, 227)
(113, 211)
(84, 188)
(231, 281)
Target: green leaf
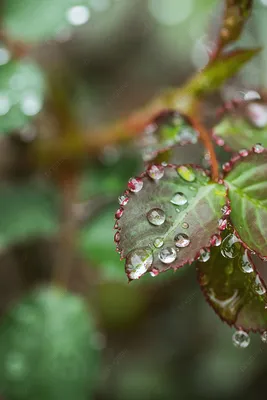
(243, 126)
(26, 211)
(236, 14)
(22, 88)
(248, 195)
(232, 285)
(34, 21)
(46, 349)
(167, 130)
(151, 219)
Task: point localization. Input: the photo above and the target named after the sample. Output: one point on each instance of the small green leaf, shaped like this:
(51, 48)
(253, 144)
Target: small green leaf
(46, 348)
(22, 88)
(34, 21)
(170, 216)
(26, 211)
(248, 195)
(232, 286)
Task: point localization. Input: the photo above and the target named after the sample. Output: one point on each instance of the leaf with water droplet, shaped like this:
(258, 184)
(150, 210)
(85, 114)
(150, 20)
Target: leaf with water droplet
(183, 233)
(242, 126)
(248, 195)
(47, 347)
(234, 289)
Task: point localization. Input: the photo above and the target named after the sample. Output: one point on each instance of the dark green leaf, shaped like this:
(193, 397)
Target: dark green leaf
(248, 195)
(46, 348)
(232, 286)
(195, 215)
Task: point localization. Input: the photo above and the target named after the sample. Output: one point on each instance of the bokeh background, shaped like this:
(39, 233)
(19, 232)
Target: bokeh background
(156, 338)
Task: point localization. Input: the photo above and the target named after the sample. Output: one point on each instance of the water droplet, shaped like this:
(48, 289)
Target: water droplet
(156, 216)
(178, 210)
(31, 104)
(258, 286)
(185, 225)
(222, 224)
(119, 213)
(116, 225)
(264, 337)
(204, 255)
(164, 164)
(226, 210)
(186, 173)
(117, 237)
(230, 246)
(216, 240)
(227, 167)
(156, 172)
(167, 255)
(179, 199)
(193, 188)
(4, 56)
(245, 263)
(243, 153)
(123, 200)
(182, 240)
(258, 114)
(154, 272)
(158, 242)
(78, 15)
(135, 184)
(241, 339)
(138, 261)
(258, 148)
(252, 95)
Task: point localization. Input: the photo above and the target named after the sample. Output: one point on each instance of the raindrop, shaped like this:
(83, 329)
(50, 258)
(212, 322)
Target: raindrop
(230, 246)
(252, 95)
(241, 339)
(119, 213)
(258, 286)
(186, 173)
(243, 153)
(182, 240)
(78, 15)
(156, 216)
(204, 255)
(138, 261)
(167, 255)
(185, 225)
(4, 104)
(216, 240)
(154, 272)
(156, 172)
(245, 263)
(227, 167)
(264, 337)
(226, 210)
(164, 164)
(222, 224)
(4, 56)
(158, 242)
(30, 104)
(117, 237)
(258, 148)
(179, 199)
(123, 200)
(135, 184)
(258, 114)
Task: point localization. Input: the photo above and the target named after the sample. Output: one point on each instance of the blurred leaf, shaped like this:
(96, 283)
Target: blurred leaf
(236, 14)
(183, 202)
(248, 195)
(243, 126)
(232, 286)
(22, 88)
(45, 348)
(33, 21)
(26, 211)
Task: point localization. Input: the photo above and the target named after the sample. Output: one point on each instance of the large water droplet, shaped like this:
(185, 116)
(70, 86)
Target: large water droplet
(179, 199)
(245, 263)
(230, 246)
(156, 216)
(204, 255)
(182, 240)
(186, 173)
(138, 261)
(135, 184)
(156, 172)
(258, 148)
(123, 200)
(241, 339)
(158, 242)
(264, 337)
(78, 15)
(258, 286)
(167, 255)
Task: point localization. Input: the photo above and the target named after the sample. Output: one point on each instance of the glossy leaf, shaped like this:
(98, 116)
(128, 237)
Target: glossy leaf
(248, 195)
(186, 203)
(33, 21)
(169, 129)
(243, 126)
(46, 349)
(236, 14)
(26, 211)
(232, 286)
(22, 88)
